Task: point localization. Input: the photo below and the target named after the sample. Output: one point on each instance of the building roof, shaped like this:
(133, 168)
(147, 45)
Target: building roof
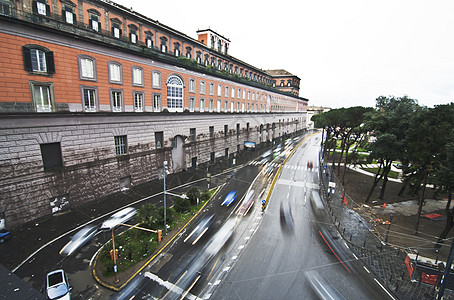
(280, 73)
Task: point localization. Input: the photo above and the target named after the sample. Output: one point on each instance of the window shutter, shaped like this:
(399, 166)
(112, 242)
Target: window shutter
(50, 62)
(74, 19)
(99, 26)
(121, 31)
(35, 7)
(63, 15)
(27, 59)
(48, 10)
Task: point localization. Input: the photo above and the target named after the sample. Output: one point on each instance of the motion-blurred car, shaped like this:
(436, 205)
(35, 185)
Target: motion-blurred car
(4, 235)
(122, 216)
(286, 216)
(247, 203)
(229, 198)
(199, 229)
(57, 285)
(79, 239)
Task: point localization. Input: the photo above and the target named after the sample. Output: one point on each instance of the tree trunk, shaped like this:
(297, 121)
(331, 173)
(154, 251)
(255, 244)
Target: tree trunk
(374, 184)
(342, 155)
(403, 188)
(345, 165)
(421, 202)
(448, 225)
(386, 170)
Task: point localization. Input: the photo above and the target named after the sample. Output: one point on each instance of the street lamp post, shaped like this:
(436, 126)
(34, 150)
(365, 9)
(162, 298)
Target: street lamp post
(165, 216)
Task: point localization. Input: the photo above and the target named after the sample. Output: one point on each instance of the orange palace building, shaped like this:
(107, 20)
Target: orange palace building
(94, 97)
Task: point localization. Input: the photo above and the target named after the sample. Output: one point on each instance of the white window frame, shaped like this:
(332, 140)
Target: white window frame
(38, 59)
(117, 100)
(41, 8)
(192, 85)
(175, 93)
(157, 103)
(137, 76)
(92, 98)
(156, 79)
(139, 101)
(115, 72)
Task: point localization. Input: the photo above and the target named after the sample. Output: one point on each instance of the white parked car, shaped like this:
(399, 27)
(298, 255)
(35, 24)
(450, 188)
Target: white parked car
(57, 285)
(79, 239)
(122, 216)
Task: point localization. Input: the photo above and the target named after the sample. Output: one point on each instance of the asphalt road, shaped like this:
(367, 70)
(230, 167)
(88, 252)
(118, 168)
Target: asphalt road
(291, 260)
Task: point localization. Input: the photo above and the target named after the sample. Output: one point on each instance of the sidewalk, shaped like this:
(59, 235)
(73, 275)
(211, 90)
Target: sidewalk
(383, 250)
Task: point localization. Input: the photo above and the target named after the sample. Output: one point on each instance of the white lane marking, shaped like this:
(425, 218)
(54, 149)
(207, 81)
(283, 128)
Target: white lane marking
(195, 229)
(217, 282)
(384, 289)
(240, 247)
(355, 256)
(366, 270)
(247, 238)
(234, 257)
(226, 269)
(168, 285)
(200, 235)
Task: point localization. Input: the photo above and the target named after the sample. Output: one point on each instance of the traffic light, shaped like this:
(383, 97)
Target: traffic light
(159, 235)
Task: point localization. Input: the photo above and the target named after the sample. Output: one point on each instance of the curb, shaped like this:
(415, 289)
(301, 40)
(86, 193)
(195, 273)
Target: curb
(116, 289)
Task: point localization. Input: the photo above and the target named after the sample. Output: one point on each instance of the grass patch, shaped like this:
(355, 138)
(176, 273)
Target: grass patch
(391, 174)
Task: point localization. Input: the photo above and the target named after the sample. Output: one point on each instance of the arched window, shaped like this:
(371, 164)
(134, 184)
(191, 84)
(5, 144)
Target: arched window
(174, 93)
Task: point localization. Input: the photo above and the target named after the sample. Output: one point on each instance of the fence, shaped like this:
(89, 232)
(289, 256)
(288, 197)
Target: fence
(391, 263)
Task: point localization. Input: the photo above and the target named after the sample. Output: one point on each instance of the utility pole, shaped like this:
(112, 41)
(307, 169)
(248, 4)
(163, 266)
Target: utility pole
(165, 216)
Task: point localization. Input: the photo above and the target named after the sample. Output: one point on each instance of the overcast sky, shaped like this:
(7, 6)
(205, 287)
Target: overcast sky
(347, 53)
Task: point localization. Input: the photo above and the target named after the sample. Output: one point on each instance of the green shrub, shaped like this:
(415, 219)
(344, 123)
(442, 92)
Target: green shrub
(181, 205)
(193, 194)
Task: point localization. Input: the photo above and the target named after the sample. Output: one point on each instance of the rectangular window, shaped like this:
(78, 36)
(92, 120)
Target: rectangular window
(239, 93)
(137, 76)
(41, 8)
(87, 68)
(51, 154)
(138, 101)
(194, 162)
(226, 130)
(233, 92)
(156, 80)
(192, 135)
(116, 97)
(38, 58)
(42, 98)
(211, 90)
(219, 90)
(218, 106)
(121, 146)
(202, 87)
(159, 139)
(202, 105)
(211, 130)
(156, 103)
(89, 98)
(116, 31)
(212, 157)
(94, 23)
(191, 104)
(115, 73)
(133, 37)
(211, 105)
(226, 93)
(192, 85)
(69, 16)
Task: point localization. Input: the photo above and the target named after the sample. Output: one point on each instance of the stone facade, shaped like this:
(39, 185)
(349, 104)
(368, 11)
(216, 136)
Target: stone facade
(91, 167)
